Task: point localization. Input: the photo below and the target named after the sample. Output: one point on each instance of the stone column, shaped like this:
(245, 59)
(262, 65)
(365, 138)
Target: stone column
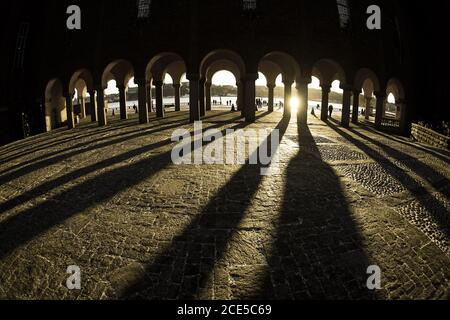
(101, 108)
(142, 100)
(208, 95)
(250, 97)
(123, 101)
(201, 95)
(368, 107)
(194, 109)
(355, 113)
(325, 100)
(93, 106)
(83, 107)
(401, 105)
(302, 89)
(271, 88)
(148, 91)
(241, 97)
(176, 88)
(160, 112)
(287, 98)
(346, 102)
(69, 110)
(379, 109)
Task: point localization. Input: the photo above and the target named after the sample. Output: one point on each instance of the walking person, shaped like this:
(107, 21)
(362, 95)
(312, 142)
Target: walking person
(330, 110)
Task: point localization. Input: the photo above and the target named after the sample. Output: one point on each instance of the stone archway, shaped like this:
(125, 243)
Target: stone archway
(327, 71)
(214, 62)
(82, 82)
(121, 71)
(55, 105)
(159, 65)
(275, 63)
(365, 81)
(395, 87)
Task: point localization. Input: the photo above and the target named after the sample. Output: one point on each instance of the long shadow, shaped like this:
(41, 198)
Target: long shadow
(24, 168)
(45, 162)
(50, 184)
(317, 250)
(213, 226)
(54, 142)
(437, 210)
(30, 223)
(418, 167)
(31, 166)
(438, 153)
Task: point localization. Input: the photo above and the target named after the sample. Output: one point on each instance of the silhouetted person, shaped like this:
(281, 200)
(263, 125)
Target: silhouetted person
(233, 109)
(312, 112)
(330, 110)
(318, 106)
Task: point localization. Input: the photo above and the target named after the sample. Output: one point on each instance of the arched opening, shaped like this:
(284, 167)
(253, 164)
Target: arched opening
(264, 96)
(81, 83)
(55, 105)
(113, 99)
(332, 83)
(164, 76)
(224, 90)
(315, 97)
(222, 82)
(118, 73)
(368, 106)
(394, 110)
(366, 85)
(281, 69)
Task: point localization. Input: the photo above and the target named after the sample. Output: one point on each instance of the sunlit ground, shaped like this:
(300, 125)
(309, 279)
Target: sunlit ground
(110, 201)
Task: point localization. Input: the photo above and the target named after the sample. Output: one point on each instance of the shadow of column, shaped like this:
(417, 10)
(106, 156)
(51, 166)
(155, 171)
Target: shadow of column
(316, 251)
(213, 227)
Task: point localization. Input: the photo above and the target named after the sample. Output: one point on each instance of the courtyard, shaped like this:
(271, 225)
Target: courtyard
(110, 200)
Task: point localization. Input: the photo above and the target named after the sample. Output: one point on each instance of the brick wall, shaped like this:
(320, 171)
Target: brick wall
(430, 137)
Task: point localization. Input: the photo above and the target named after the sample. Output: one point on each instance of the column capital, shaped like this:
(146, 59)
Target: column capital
(202, 81)
(301, 85)
(357, 92)
(346, 87)
(303, 81)
(325, 87)
(271, 85)
(176, 85)
(140, 81)
(208, 84)
(251, 76)
(193, 77)
(380, 95)
(158, 83)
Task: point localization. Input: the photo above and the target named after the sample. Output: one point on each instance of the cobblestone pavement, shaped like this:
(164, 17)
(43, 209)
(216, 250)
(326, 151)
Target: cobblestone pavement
(110, 201)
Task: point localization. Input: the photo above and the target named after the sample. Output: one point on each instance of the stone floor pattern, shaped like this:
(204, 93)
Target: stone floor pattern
(111, 201)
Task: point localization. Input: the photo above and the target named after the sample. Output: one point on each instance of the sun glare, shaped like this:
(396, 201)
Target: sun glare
(295, 104)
